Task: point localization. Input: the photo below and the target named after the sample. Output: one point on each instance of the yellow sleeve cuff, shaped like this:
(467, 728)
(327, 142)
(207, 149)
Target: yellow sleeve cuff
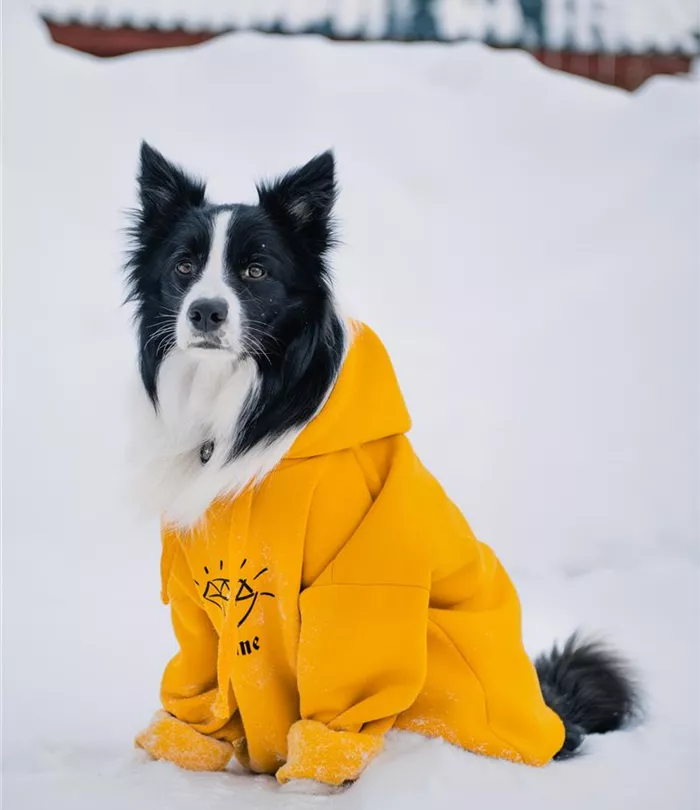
(332, 757)
(172, 740)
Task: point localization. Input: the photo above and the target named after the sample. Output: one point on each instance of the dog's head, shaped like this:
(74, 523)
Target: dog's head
(236, 281)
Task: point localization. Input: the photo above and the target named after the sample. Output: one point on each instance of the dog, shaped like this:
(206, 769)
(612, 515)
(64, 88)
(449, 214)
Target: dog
(304, 545)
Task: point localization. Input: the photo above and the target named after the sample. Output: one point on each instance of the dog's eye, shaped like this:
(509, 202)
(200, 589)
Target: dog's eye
(184, 268)
(254, 271)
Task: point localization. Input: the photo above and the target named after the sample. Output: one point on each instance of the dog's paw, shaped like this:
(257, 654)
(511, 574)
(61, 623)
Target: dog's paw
(320, 754)
(170, 739)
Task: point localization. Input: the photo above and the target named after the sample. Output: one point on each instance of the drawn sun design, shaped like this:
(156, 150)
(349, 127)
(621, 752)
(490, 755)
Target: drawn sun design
(217, 590)
(247, 593)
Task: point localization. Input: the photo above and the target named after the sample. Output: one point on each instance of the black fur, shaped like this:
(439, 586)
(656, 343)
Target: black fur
(590, 687)
(172, 212)
(291, 329)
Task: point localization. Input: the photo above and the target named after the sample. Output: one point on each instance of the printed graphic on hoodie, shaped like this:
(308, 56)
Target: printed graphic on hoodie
(217, 590)
(249, 593)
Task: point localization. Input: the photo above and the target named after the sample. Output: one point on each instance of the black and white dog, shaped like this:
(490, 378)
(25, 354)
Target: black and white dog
(240, 339)
(240, 342)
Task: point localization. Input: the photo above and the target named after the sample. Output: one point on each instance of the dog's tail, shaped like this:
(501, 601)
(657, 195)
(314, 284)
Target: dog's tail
(590, 687)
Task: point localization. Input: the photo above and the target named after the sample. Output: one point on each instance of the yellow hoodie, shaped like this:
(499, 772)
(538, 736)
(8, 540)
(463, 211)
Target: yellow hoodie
(343, 596)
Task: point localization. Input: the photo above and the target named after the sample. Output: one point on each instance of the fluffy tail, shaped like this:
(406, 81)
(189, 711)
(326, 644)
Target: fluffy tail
(590, 687)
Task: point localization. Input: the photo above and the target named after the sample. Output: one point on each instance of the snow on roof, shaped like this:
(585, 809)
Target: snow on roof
(587, 25)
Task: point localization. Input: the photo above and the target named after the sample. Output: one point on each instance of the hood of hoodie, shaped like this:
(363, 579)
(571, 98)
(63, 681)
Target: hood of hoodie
(365, 404)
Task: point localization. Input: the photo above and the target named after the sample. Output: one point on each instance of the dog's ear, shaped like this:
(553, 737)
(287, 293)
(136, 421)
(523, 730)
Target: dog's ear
(163, 187)
(302, 200)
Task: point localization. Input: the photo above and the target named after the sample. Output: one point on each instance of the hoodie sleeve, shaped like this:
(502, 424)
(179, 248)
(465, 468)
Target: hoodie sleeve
(362, 660)
(189, 732)
(190, 685)
(362, 649)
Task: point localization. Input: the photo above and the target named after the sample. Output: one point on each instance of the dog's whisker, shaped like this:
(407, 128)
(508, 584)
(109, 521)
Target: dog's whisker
(163, 326)
(252, 345)
(259, 333)
(163, 330)
(164, 345)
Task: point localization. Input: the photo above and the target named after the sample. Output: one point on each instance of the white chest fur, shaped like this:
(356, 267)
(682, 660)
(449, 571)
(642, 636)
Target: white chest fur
(200, 399)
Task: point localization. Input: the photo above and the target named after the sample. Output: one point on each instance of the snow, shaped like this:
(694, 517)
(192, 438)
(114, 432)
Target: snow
(525, 242)
(636, 25)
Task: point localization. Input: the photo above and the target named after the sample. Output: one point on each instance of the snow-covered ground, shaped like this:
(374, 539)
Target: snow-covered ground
(527, 245)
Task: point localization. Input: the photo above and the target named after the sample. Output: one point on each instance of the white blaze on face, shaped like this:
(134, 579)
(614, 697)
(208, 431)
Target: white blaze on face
(210, 285)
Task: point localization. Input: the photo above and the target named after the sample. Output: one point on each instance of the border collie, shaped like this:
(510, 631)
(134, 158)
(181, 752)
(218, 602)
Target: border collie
(240, 343)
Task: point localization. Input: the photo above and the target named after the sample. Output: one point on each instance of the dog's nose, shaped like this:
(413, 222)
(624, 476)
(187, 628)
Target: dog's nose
(207, 314)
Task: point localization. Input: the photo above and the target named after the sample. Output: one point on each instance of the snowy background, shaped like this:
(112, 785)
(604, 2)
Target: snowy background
(636, 26)
(527, 245)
